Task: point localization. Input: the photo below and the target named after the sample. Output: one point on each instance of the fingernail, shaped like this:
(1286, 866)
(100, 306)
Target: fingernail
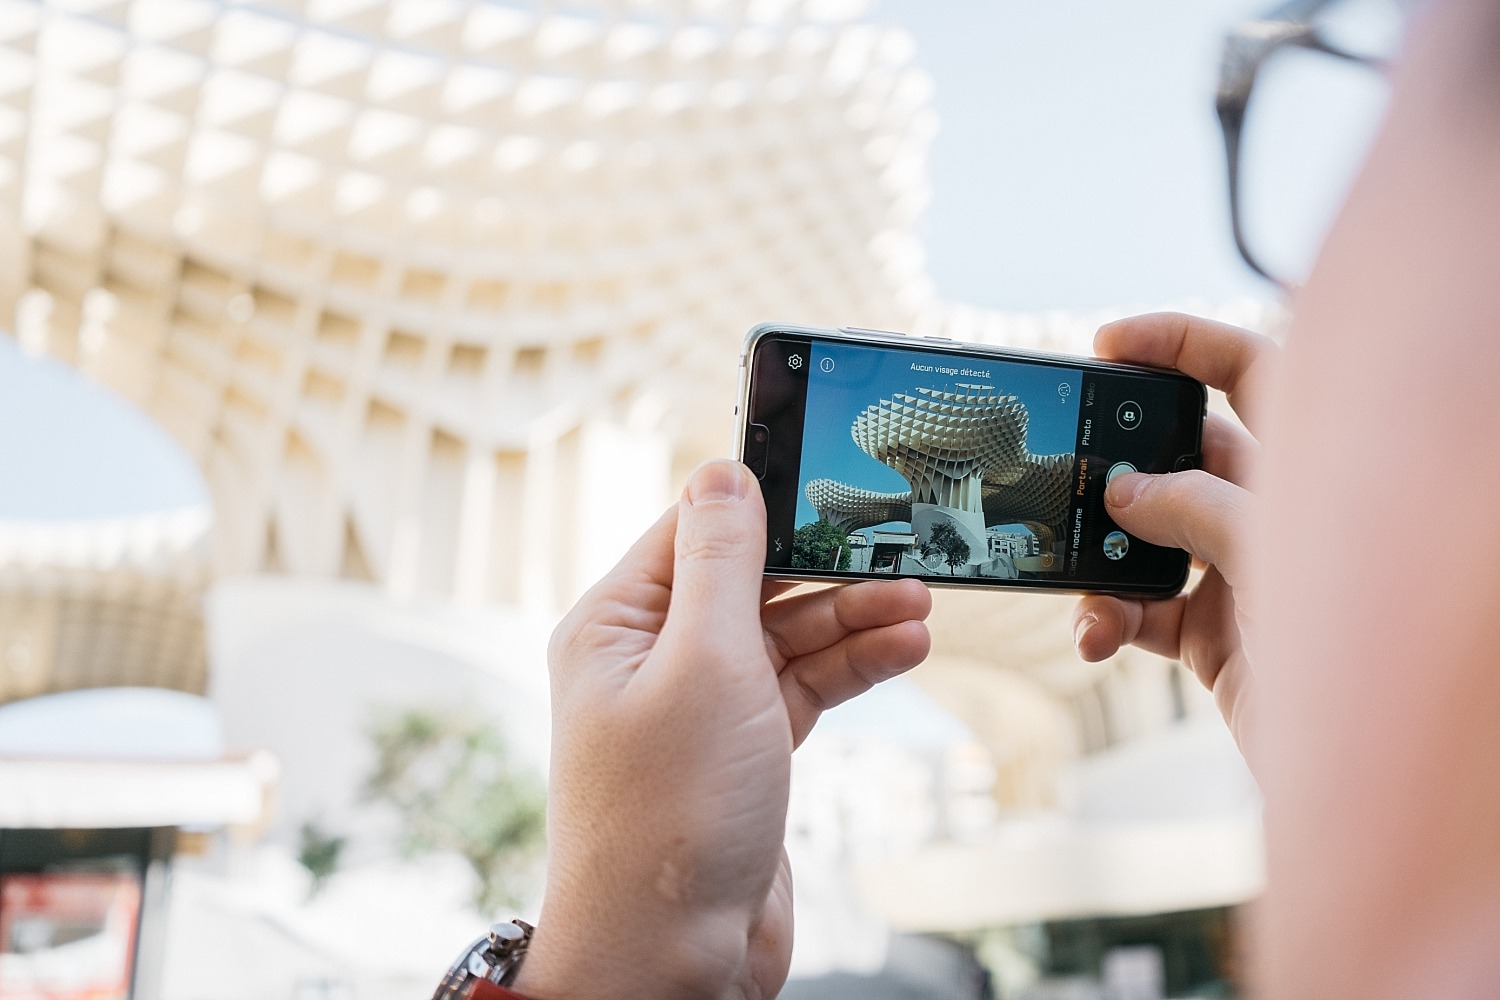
(1122, 491)
(716, 481)
(1081, 628)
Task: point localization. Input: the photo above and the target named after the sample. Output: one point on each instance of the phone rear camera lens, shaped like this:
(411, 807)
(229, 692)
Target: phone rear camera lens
(757, 448)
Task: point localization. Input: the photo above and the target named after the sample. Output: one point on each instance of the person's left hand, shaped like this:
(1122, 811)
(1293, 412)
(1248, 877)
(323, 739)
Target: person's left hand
(680, 687)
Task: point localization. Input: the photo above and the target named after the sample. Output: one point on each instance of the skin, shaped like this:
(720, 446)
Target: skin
(680, 686)
(1203, 511)
(1369, 708)
(1346, 621)
(1380, 692)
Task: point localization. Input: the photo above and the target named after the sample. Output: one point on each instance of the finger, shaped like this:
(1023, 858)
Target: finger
(1226, 357)
(802, 624)
(1102, 625)
(629, 605)
(1232, 696)
(814, 683)
(719, 553)
(1229, 451)
(1189, 510)
(1211, 635)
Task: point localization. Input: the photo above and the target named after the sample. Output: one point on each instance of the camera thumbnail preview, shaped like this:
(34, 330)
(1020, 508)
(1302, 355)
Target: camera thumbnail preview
(941, 465)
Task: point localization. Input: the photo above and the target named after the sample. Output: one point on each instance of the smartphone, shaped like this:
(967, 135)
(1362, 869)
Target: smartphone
(963, 465)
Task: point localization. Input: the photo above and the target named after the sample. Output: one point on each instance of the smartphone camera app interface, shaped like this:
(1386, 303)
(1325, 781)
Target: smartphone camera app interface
(964, 468)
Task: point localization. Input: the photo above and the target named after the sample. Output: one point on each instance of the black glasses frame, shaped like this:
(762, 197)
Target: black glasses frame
(1246, 49)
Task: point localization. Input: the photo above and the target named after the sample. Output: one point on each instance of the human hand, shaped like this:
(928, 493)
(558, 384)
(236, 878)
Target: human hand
(680, 686)
(1207, 512)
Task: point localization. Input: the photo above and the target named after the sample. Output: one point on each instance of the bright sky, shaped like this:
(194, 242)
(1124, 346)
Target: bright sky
(1078, 163)
(72, 449)
(1078, 166)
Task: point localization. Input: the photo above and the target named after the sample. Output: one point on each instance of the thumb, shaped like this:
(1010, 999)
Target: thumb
(1192, 510)
(719, 558)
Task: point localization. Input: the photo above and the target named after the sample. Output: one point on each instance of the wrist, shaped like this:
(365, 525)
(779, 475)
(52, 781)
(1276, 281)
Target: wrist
(603, 953)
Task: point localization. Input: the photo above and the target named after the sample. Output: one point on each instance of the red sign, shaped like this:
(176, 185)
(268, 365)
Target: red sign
(66, 936)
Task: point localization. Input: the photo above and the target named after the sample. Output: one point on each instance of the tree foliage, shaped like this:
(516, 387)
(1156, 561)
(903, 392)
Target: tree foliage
(813, 546)
(944, 538)
(319, 852)
(455, 788)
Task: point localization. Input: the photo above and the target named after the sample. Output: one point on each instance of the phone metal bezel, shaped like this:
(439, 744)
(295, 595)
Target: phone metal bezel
(859, 335)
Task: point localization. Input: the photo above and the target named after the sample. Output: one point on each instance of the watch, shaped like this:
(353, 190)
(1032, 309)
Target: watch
(488, 965)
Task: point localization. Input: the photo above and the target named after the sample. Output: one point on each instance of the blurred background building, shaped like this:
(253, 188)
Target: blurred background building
(441, 299)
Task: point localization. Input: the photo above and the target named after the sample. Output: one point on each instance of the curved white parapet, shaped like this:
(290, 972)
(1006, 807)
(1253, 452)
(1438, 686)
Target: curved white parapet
(968, 524)
(1167, 822)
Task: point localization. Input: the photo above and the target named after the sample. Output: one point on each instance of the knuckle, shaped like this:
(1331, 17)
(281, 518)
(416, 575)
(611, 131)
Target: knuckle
(1186, 495)
(812, 696)
(580, 634)
(713, 543)
(564, 638)
(1189, 482)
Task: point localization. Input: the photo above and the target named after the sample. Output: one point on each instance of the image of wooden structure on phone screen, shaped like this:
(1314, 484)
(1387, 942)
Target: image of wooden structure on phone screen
(973, 480)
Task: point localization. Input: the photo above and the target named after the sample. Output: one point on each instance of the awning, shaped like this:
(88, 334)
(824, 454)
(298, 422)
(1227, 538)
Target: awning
(86, 794)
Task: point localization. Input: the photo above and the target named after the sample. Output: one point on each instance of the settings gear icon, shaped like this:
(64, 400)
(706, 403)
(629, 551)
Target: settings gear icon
(794, 362)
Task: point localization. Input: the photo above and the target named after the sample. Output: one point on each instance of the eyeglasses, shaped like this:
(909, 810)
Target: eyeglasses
(1290, 192)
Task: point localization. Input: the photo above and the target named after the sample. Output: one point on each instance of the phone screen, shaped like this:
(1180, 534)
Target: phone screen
(960, 468)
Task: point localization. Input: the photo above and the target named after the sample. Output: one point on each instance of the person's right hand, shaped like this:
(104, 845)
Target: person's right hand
(681, 683)
(1206, 511)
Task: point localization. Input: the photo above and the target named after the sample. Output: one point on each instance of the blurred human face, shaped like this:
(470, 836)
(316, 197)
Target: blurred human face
(1380, 562)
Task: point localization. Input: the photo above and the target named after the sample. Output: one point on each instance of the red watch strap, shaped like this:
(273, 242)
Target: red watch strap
(482, 990)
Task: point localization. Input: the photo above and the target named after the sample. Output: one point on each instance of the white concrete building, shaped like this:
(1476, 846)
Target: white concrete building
(415, 282)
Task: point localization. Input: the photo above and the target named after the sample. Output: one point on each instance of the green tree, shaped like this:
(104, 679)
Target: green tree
(319, 851)
(813, 547)
(455, 788)
(944, 538)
